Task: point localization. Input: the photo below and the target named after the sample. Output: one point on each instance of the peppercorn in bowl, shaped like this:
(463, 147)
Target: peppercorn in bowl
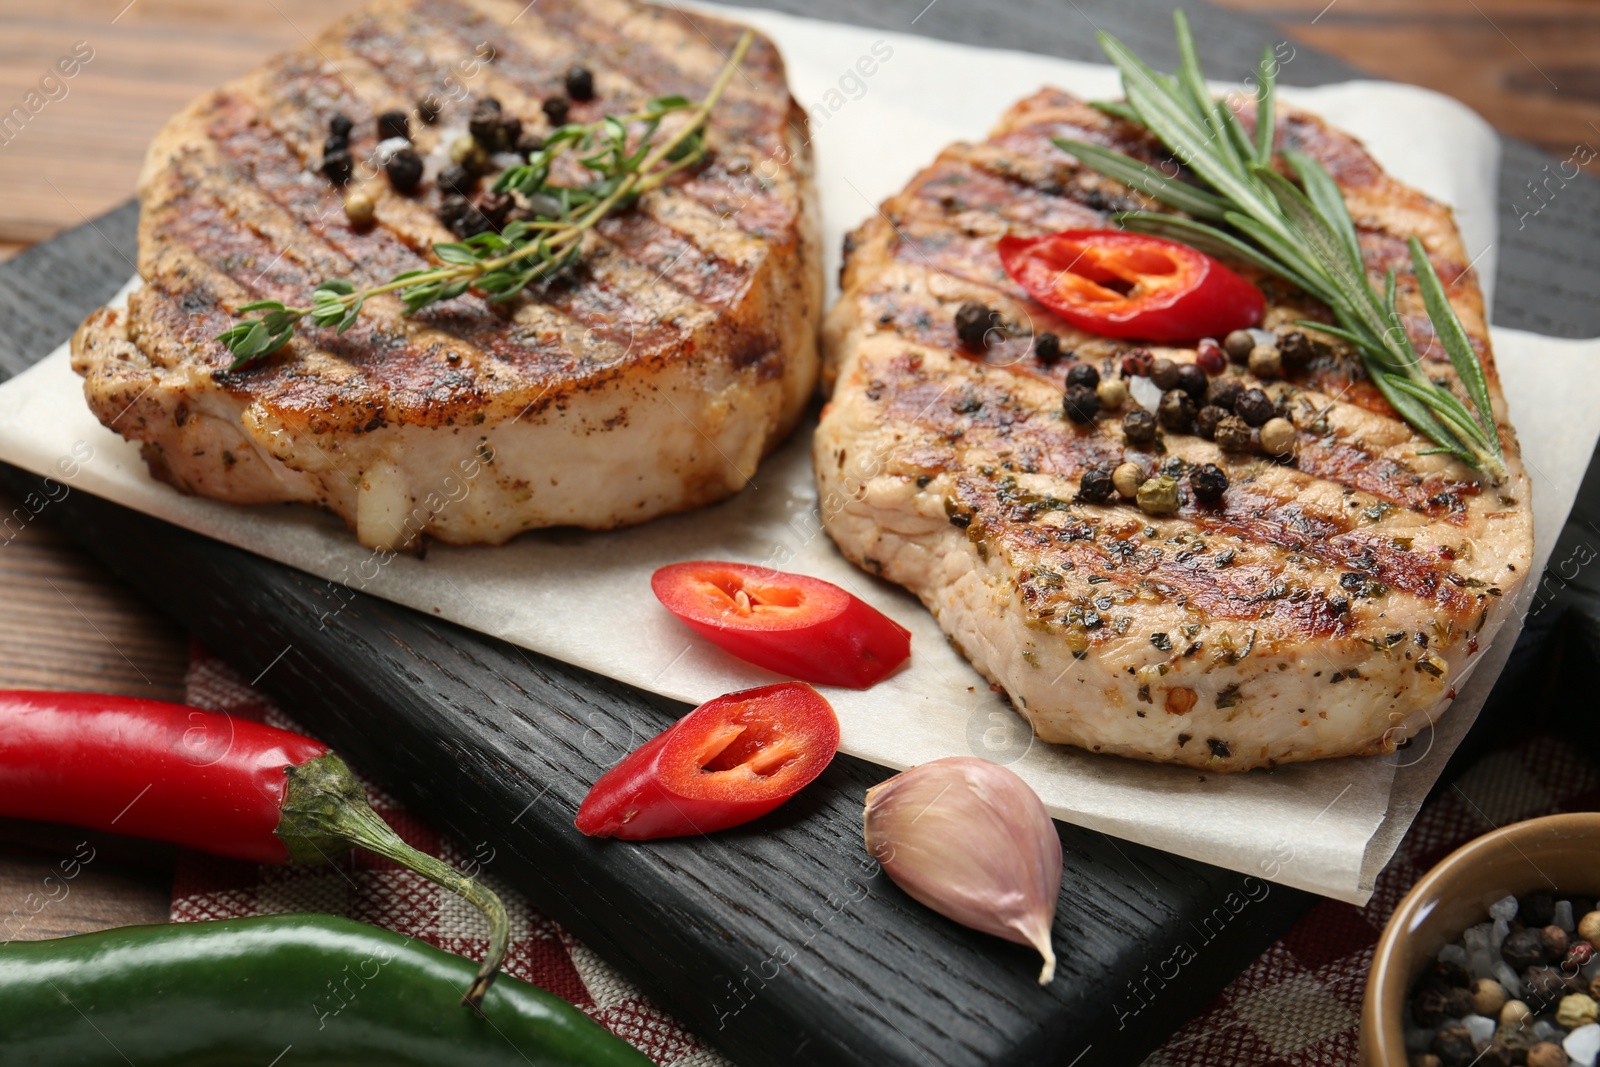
(1490, 959)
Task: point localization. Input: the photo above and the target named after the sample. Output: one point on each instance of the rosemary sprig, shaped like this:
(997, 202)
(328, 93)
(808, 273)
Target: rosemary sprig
(500, 265)
(1246, 211)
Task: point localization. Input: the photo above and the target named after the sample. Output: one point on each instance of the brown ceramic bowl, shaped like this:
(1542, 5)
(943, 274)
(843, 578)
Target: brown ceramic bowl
(1556, 853)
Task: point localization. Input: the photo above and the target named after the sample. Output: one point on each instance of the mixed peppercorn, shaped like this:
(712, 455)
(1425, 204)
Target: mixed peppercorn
(1196, 398)
(490, 130)
(1521, 988)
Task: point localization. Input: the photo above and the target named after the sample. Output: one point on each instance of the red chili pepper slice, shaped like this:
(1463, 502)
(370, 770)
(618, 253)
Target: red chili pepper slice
(728, 761)
(1121, 284)
(227, 786)
(803, 627)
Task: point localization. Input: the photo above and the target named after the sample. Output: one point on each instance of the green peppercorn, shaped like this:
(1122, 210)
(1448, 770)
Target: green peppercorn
(469, 154)
(580, 83)
(1139, 427)
(1232, 434)
(1095, 486)
(1080, 403)
(1209, 482)
(1083, 374)
(1176, 411)
(1158, 495)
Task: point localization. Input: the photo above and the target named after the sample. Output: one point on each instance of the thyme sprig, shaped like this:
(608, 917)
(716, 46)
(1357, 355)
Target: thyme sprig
(1242, 209)
(500, 265)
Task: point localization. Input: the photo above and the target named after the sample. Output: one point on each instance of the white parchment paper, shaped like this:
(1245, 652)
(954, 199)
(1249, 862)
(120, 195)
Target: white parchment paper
(584, 597)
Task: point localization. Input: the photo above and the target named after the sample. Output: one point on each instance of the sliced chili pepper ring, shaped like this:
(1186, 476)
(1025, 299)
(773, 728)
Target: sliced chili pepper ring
(728, 761)
(792, 624)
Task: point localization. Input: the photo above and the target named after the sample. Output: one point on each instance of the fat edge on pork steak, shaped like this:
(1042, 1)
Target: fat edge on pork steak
(1326, 606)
(651, 378)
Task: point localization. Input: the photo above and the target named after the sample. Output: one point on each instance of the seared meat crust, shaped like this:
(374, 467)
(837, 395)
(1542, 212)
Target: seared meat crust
(650, 379)
(1326, 606)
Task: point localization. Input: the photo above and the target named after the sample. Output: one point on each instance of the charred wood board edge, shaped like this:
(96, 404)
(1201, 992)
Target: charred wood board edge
(781, 943)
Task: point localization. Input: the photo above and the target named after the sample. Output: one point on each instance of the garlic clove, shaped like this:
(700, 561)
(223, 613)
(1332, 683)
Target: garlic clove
(970, 839)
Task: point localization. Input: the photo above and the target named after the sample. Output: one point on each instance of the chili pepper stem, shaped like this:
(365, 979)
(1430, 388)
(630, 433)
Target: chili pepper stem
(325, 812)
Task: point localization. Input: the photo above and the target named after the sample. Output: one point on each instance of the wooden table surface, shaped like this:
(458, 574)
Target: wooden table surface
(1529, 66)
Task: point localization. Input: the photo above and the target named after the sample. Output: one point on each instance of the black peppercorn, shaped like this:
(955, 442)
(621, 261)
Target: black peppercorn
(456, 179)
(462, 217)
(1176, 411)
(1498, 1055)
(1535, 909)
(555, 109)
(973, 323)
(1224, 393)
(1095, 487)
(428, 110)
(1164, 373)
(510, 131)
(1083, 374)
(529, 143)
(1255, 407)
(1136, 363)
(1547, 985)
(335, 143)
(404, 169)
(1208, 482)
(1522, 949)
(340, 126)
(1296, 349)
(1555, 941)
(1081, 404)
(1429, 1007)
(1192, 380)
(1458, 1003)
(1047, 348)
(580, 83)
(1205, 423)
(1233, 434)
(487, 125)
(1448, 973)
(1454, 1046)
(393, 124)
(1139, 427)
(338, 166)
(494, 207)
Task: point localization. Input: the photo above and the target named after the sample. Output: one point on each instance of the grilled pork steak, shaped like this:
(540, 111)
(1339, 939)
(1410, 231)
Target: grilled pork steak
(651, 378)
(1324, 606)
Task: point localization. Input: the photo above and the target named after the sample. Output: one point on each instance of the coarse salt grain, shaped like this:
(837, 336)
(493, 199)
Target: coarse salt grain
(1481, 1027)
(1583, 1044)
(1504, 909)
(1564, 917)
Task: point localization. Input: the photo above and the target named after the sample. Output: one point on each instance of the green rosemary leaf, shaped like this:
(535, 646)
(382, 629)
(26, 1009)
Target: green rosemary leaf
(1447, 327)
(1327, 249)
(1266, 105)
(1208, 239)
(1443, 407)
(1116, 109)
(1403, 395)
(1145, 178)
(1324, 193)
(1232, 130)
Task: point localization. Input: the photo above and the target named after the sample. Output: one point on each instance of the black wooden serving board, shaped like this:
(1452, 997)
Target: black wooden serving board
(779, 943)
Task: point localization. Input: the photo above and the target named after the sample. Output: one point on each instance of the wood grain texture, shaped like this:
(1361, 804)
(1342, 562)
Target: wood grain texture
(781, 942)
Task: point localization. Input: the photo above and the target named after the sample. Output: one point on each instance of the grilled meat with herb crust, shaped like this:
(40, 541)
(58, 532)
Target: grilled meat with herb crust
(1323, 606)
(650, 378)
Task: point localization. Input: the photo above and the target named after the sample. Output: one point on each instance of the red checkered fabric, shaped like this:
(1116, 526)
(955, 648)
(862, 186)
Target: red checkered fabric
(374, 890)
(1296, 1006)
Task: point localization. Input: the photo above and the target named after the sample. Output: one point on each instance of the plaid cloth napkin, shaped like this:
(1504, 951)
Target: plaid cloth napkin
(1298, 1005)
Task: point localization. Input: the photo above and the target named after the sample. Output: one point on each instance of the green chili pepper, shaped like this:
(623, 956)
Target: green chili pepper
(288, 990)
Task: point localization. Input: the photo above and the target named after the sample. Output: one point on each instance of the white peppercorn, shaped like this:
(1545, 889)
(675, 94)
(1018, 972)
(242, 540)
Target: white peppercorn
(1127, 478)
(1266, 361)
(1277, 437)
(1113, 393)
(359, 208)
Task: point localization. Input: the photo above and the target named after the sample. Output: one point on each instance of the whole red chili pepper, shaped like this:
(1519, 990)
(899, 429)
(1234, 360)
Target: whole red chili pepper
(211, 782)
